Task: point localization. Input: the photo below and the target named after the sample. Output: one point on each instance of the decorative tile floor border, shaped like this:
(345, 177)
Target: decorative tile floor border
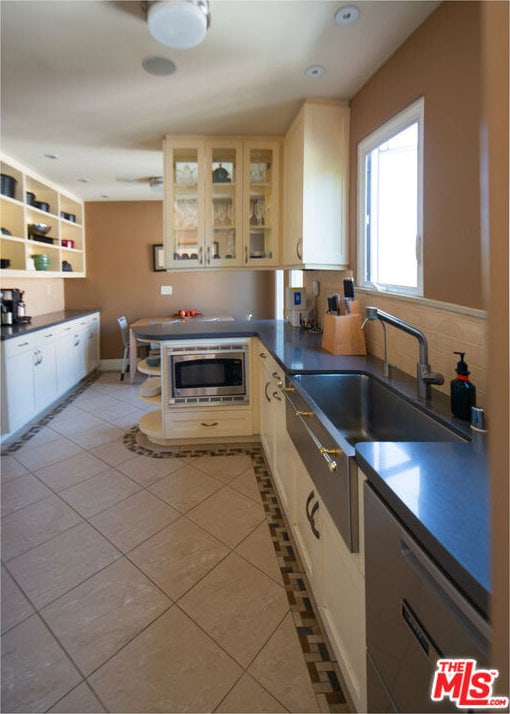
(11, 446)
(322, 668)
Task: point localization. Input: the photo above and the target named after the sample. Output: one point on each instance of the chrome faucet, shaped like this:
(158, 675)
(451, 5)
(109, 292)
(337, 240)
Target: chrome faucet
(424, 374)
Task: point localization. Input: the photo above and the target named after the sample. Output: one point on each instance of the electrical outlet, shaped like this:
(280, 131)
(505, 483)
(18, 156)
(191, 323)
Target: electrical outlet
(166, 290)
(315, 288)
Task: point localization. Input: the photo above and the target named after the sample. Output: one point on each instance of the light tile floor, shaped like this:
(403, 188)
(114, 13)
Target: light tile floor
(139, 584)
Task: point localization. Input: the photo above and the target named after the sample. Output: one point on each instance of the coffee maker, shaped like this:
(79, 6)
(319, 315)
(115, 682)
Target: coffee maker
(13, 307)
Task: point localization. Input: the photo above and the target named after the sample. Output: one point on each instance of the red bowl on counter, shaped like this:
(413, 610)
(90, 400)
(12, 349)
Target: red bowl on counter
(67, 243)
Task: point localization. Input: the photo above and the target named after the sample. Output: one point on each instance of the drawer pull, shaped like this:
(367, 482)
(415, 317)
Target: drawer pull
(211, 423)
(311, 514)
(268, 398)
(277, 397)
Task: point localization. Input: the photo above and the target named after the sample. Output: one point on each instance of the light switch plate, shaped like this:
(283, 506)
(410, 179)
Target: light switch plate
(166, 290)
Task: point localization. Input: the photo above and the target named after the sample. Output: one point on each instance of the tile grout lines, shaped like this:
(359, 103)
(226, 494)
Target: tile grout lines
(321, 667)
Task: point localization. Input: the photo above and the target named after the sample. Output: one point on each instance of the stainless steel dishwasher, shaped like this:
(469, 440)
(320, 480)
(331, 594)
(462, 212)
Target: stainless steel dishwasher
(415, 616)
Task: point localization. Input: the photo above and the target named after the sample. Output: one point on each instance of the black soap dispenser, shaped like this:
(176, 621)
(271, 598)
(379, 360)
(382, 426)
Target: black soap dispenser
(462, 392)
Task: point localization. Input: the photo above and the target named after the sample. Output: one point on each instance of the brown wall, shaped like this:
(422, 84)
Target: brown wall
(440, 61)
(495, 180)
(121, 280)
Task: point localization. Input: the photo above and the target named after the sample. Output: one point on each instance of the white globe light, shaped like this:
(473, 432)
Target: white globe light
(177, 23)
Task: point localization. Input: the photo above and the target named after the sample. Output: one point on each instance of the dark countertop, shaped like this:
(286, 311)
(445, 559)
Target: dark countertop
(440, 491)
(41, 322)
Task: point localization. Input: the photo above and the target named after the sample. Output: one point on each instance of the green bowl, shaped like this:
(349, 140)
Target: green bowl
(41, 261)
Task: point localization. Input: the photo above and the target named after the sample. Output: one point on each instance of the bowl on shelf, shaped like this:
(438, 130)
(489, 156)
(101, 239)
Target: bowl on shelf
(66, 243)
(4, 262)
(41, 261)
(40, 228)
(42, 206)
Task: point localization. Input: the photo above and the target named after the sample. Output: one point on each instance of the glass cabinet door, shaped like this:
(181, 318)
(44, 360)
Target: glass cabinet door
(261, 204)
(184, 236)
(223, 205)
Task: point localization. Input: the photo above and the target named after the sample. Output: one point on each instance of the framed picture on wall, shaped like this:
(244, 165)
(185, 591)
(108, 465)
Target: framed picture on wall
(158, 257)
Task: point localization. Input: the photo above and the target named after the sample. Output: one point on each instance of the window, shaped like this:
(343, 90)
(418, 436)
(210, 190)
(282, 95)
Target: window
(390, 202)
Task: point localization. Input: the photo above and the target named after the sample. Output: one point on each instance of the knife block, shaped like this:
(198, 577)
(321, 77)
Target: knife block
(342, 335)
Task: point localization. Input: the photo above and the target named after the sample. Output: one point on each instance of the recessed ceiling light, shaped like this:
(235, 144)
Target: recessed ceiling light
(83, 180)
(315, 71)
(159, 66)
(347, 15)
(51, 156)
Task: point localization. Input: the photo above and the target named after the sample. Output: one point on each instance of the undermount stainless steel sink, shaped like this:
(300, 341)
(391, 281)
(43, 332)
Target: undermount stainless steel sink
(363, 409)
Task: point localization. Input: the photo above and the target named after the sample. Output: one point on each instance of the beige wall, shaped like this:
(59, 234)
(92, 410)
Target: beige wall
(42, 295)
(440, 61)
(121, 280)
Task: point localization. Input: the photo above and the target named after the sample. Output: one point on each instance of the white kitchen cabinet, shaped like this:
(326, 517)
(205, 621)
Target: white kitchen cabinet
(315, 180)
(273, 432)
(306, 518)
(64, 244)
(220, 202)
(29, 378)
(39, 367)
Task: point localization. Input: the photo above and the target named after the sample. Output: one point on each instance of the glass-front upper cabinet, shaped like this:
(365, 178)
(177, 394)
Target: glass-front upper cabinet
(261, 203)
(223, 204)
(184, 201)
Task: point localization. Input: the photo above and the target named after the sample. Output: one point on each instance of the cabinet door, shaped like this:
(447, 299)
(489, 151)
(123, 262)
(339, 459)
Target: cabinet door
(316, 187)
(18, 394)
(184, 204)
(66, 366)
(223, 204)
(92, 348)
(266, 412)
(343, 609)
(45, 369)
(261, 203)
(293, 194)
(307, 522)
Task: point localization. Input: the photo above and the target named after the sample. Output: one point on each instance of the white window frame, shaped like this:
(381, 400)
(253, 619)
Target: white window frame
(412, 114)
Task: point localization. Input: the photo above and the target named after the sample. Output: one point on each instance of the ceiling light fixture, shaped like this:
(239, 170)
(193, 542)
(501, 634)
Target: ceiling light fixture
(178, 23)
(315, 71)
(347, 15)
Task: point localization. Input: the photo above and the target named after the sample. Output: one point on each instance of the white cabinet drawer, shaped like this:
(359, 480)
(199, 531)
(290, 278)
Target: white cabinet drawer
(17, 345)
(208, 423)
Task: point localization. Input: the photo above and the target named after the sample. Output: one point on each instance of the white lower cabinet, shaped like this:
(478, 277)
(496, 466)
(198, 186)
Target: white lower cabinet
(335, 574)
(273, 432)
(41, 366)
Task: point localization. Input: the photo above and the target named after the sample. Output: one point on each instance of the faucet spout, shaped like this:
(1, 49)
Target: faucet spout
(425, 376)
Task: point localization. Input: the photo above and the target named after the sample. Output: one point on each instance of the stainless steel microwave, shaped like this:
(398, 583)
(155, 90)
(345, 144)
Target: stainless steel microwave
(208, 374)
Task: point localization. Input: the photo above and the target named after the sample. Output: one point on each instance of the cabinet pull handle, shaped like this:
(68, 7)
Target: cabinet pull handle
(23, 344)
(245, 253)
(275, 375)
(311, 514)
(50, 335)
(208, 255)
(277, 397)
(324, 452)
(211, 423)
(201, 255)
(263, 355)
(268, 398)
(299, 249)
